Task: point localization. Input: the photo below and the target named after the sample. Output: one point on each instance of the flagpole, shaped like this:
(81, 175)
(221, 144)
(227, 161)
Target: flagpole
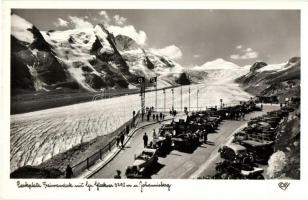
(181, 99)
(156, 95)
(189, 99)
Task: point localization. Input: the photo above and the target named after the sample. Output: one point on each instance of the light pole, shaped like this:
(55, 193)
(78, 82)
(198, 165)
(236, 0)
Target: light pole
(156, 95)
(154, 81)
(172, 90)
(181, 99)
(164, 91)
(197, 99)
(189, 99)
(221, 104)
(141, 81)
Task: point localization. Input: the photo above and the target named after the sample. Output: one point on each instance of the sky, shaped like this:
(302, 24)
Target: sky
(191, 37)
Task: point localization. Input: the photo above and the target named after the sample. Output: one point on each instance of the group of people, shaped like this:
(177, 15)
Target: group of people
(146, 138)
(203, 135)
(156, 117)
(236, 115)
(120, 139)
(173, 112)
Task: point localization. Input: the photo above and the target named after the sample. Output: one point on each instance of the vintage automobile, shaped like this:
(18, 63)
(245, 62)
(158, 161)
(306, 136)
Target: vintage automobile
(236, 153)
(142, 164)
(239, 136)
(185, 142)
(235, 170)
(262, 149)
(162, 144)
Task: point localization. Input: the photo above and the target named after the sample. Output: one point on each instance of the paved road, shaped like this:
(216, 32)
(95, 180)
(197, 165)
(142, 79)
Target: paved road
(126, 155)
(177, 164)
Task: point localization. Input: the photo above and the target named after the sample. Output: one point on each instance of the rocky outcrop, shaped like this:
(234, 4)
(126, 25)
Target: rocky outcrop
(257, 65)
(125, 43)
(288, 145)
(34, 65)
(183, 79)
(281, 80)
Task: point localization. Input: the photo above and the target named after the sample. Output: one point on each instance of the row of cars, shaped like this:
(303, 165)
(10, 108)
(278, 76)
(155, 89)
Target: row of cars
(250, 148)
(185, 135)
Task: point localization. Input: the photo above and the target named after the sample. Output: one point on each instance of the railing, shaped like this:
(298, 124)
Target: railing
(103, 152)
(194, 108)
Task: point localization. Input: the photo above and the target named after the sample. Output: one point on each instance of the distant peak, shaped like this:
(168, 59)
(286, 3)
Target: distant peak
(218, 63)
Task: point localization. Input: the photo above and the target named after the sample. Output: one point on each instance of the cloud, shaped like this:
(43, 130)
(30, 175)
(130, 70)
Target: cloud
(130, 31)
(171, 51)
(118, 20)
(196, 56)
(248, 49)
(244, 54)
(235, 56)
(61, 22)
(105, 16)
(250, 55)
(80, 23)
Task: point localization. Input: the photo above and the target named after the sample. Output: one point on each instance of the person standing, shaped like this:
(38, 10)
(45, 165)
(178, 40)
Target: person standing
(118, 141)
(145, 140)
(154, 134)
(118, 175)
(122, 139)
(205, 137)
(142, 116)
(69, 172)
(148, 117)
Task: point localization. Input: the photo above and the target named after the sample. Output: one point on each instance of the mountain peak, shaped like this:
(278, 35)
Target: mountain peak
(124, 42)
(217, 64)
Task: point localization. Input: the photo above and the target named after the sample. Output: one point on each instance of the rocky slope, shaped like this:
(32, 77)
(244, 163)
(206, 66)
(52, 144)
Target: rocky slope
(88, 59)
(282, 80)
(285, 162)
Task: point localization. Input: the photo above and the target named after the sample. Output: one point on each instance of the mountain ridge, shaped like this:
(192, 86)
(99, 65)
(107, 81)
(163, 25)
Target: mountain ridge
(85, 59)
(282, 80)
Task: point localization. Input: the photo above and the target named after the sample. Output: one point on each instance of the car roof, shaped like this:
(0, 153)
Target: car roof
(256, 143)
(147, 150)
(236, 147)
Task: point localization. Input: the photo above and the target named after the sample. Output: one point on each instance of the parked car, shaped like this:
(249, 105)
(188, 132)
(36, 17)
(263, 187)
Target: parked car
(236, 170)
(236, 153)
(142, 164)
(262, 150)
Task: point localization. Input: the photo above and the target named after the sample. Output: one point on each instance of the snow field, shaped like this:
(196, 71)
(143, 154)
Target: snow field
(37, 136)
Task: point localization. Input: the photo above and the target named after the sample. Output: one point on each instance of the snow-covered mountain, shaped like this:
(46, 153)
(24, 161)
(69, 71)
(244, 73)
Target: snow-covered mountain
(218, 70)
(88, 58)
(273, 79)
(217, 64)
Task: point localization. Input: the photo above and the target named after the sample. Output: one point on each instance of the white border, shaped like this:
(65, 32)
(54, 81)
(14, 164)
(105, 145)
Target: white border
(181, 189)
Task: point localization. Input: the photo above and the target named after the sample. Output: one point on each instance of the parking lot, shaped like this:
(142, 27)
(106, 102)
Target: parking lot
(200, 162)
